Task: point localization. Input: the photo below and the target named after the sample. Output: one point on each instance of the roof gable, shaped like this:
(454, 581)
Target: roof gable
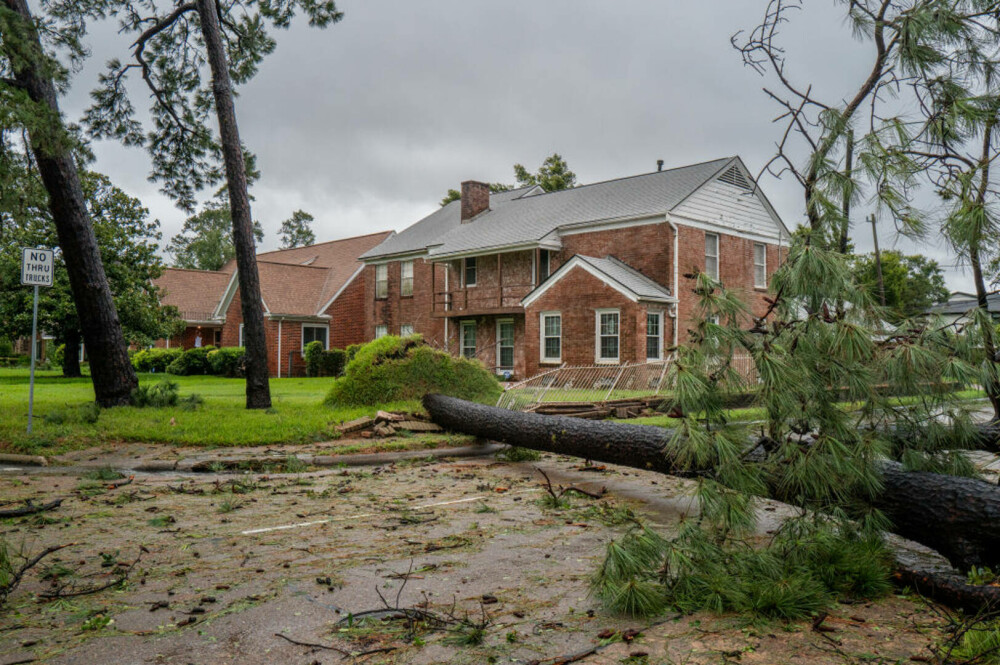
(613, 272)
(195, 293)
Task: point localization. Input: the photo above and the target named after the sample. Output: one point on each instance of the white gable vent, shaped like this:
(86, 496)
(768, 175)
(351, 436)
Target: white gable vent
(735, 177)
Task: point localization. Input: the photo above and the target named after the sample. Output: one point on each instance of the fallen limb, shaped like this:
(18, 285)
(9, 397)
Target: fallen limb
(14, 577)
(313, 645)
(955, 516)
(70, 590)
(950, 589)
(30, 508)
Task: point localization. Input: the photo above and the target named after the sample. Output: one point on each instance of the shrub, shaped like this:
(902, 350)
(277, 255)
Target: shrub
(352, 350)
(161, 394)
(58, 355)
(192, 362)
(228, 361)
(392, 369)
(6, 348)
(155, 360)
(312, 355)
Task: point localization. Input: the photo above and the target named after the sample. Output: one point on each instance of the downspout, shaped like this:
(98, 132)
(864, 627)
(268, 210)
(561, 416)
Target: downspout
(673, 288)
(279, 350)
(447, 303)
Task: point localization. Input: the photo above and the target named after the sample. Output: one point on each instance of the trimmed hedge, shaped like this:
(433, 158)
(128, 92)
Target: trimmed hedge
(393, 369)
(192, 362)
(228, 361)
(324, 363)
(155, 360)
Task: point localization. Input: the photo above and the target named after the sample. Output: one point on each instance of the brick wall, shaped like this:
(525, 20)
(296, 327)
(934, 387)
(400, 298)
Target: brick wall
(577, 296)
(347, 314)
(396, 310)
(486, 341)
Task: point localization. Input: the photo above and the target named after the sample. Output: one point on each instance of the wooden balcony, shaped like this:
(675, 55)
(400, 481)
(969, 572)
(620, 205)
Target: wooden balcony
(480, 300)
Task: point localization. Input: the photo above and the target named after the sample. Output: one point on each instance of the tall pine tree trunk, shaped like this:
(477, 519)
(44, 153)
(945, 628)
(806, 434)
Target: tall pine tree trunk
(258, 388)
(110, 369)
(71, 352)
(992, 382)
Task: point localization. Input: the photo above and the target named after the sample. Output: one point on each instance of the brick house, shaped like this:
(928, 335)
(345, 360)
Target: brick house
(526, 280)
(309, 293)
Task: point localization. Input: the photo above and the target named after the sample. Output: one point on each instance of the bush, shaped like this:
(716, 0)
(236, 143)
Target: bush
(352, 350)
(324, 363)
(6, 348)
(58, 355)
(161, 394)
(392, 369)
(155, 360)
(192, 362)
(228, 361)
(313, 352)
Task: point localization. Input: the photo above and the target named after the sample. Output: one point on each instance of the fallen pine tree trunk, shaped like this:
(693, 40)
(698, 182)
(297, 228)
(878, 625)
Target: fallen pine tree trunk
(957, 517)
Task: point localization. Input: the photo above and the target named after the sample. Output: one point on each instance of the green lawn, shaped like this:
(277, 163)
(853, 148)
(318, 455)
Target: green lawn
(297, 415)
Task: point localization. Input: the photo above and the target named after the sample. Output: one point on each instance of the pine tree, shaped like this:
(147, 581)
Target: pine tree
(168, 53)
(296, 230)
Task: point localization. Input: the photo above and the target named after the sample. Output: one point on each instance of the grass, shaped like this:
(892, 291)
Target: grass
(297, 415)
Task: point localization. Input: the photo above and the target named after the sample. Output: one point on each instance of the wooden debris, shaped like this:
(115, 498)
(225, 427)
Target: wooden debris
(30, 508)
(386, 417)
(418, 426)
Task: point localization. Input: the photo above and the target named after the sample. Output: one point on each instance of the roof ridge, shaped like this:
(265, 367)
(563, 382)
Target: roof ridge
(293, 265)
(639, 175)
(211, 272)
(325, 242)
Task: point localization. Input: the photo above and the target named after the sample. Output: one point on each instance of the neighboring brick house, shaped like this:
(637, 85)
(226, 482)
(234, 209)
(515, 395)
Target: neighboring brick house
(526, 280)
(309, 293)
(195, 294)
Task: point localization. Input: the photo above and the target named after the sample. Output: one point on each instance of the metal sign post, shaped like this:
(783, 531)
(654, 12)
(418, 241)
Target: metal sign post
(37, 267)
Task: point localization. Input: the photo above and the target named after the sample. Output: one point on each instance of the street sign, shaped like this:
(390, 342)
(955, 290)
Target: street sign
(37, 266)
(37, 269)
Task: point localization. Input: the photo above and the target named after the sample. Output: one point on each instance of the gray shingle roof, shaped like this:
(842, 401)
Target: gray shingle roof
(631, 279)
(618, 273)
(960, 303)
(419, 236)
(514, 219)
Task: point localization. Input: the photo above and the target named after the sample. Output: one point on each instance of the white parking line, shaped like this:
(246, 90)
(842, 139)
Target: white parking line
(284, 527)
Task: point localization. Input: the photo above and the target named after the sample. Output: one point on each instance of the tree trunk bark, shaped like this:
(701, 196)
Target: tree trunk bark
(258, 389)
(955, 516)
(71, 353)
(110, 369)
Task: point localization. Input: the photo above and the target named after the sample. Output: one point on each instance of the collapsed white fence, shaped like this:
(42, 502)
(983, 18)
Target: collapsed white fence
(602, 383)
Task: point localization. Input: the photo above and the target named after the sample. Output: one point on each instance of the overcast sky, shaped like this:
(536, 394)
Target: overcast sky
(366, 124)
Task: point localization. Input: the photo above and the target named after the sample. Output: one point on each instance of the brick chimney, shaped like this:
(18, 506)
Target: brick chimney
(475, 199)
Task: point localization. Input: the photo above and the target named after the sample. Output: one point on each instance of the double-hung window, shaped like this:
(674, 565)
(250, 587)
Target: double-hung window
(654, 335)
(551, 327)
(470, 271)
(406, 278)
(381, 331)
(315, 333)
(760, 265)
(468, 339)
(406, 330)
(382, 280)
(505, 344)
(607, 335)
(712, 255)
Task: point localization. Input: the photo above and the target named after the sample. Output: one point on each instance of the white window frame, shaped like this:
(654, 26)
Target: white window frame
(240, 338)
(718, 245)
(597, 336)
(403, 329)
(321, 326)
(541, 330)
(762, 283)
(381, 330)
(406, 281)
(658, 313)
(467, 325)
(513, 347)
(381, 281)
(465, 271)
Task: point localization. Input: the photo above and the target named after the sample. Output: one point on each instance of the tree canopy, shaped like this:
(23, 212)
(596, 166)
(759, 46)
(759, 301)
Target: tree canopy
(128, 243)
(206, 239)
(552, 175)
(913, 283)
(296, 231)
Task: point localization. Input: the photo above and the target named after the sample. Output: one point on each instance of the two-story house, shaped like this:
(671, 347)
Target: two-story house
(527, 280)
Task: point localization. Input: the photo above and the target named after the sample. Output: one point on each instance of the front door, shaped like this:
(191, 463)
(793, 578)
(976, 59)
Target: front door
(505, 344)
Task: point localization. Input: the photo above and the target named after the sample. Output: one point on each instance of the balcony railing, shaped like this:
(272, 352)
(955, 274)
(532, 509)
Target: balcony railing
(505, 299)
